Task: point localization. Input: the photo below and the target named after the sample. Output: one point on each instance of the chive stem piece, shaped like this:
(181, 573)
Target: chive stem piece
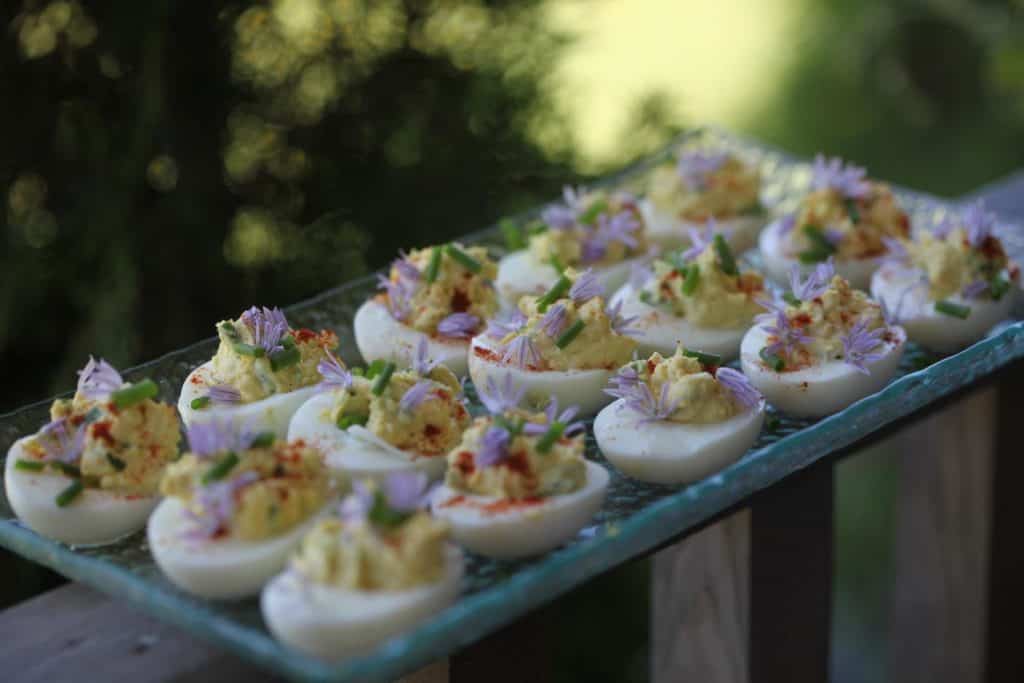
(375, 368)
(549, 438)
(593, 211)
(514, 239)
(263, 440)
(557, 291)
(771, 360)
(67, 469)
(229, 331)
(434, 265)
(463, 259)
(116, 462)
(346, 421)
(221, 469)
(381, 382)
(791, 299)
(557, 264)
(692, 279)
(998, 287)
(70, 493)
(136, 393)
(706, 359)
(200, 403)
(852, 211)
(952, 309)
(29, 465)
(285, 358)
(566, 337)
(243, 349)
(725, 257)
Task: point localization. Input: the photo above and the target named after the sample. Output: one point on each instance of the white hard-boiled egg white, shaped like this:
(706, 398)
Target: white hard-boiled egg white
(93, 517)
(356, 453)
(658, 329)
(583, 388)
(520, 273)
(335, 623)
(904, 293)
(665, 452)
(778, 259)
(671, 232)
(380, 337)
(824, 388)
(272, 413)
(508, 529)
(223, 567)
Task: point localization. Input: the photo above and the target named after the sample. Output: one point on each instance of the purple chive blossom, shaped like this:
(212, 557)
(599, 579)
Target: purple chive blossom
(406, 270)
(974, 289)
(642, 401)
(216, 505)
(896, 252)
(586, 287)
(98, 379)
(407, 491)
(357, 505)
(739, 386)
(786, 223)
(592, 249)
(834, 236)
(554, 321)
(618, 228)
(521, 352)
(846, 179)
(494, 447)
(416, 395)
(335, 375)
(422, 363)
(858, 344)
(978, 223)
(559, 217)
(788, 336)
(815, 284)
(61, 441)
(623, 383)
(213, 436)
(621, 323)
(498, 398)
(458, 325)
(268, 327)
(224, 393)
(504, 324)
(774, 305)
(700, 239)
(573, 197)
(551, 415)
(400, 293)
(695, 166)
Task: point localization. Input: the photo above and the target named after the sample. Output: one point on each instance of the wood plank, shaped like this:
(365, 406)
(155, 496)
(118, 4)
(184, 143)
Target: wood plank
(700, 605)
(937, 618)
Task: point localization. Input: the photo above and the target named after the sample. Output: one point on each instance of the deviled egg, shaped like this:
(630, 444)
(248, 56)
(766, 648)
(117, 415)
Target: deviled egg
(518, 485)
(703, 185)
(563, 343)
(262, 372)
(236, 505)
(845, 217)
(678, 418)
(824, 347)
(441, 295)
(596, 230)
(90, 475)
(379, 570)
(699, 298)
(948, 289)
(384, 420)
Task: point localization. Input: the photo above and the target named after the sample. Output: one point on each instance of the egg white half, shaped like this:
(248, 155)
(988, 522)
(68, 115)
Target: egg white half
(583, 388)
(269, 414)
(778, 260)
(821, 389)
(672, 232)
(380, 337)
(519, 273)
(224, 568)
(351, 457)
(335, 623)
(94, 517)
(670, 452)
(524, 530)
(894, 284)
(662, 331)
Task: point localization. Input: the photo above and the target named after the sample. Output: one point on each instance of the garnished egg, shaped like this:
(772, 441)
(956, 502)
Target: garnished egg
(380, 336)
(521, 274)
(779, 256)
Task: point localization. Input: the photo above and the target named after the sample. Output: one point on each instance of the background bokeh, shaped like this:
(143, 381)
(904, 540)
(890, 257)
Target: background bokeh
(165, 164)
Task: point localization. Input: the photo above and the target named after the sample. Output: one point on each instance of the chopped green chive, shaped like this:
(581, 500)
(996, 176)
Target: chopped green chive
(549, 438)
(566, 337)
(998, 287)
(725, 257)
(288, 342)
(771, 360)
(790, 299)
(755, 209)
(91, 416)
(29, 465)
(346, 421)
(285, 358)
(706, 359)
(381, 381)
(536, 228)
(434, 265)
(514, 239)
(813, 256)
(116, 462)
(463, 259)
(229, 331)
(375, 368)
(136, 393)
(647, 297)
(557, 291)
(69, 494)
(953, 309)
(263, 440)
(243, 349)
(67, 469)
(772, 423)
(221, 469)
(852, 211)
(383, 514)
(691, 280)
(593, 211)
(514, 428)
(821, 248)
(359, 371)
(200, 403)
(557, 264)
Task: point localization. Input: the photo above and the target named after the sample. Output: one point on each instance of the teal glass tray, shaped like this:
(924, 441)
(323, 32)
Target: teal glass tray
(636, 518)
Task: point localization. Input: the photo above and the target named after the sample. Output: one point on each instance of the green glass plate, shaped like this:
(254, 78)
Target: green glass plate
(636, 518)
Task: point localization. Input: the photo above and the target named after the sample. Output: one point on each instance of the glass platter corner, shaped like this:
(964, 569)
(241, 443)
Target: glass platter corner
(635, 519)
